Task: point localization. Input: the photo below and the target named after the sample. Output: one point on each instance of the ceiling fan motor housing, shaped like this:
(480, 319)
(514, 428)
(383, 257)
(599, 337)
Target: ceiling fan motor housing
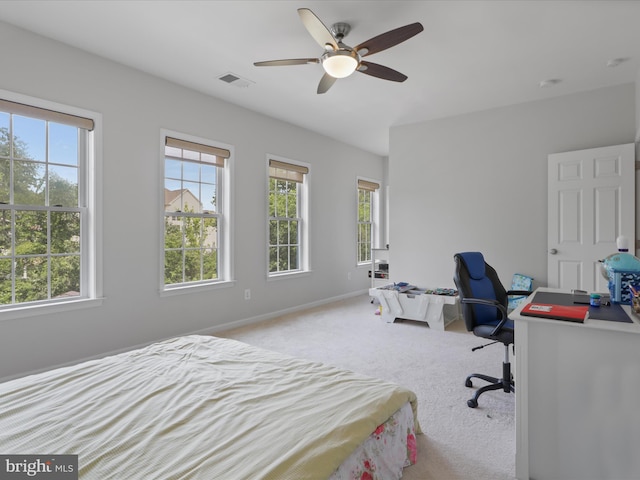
(340, 30)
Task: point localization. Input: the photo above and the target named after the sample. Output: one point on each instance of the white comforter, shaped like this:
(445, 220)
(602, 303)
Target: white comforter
(197, 407)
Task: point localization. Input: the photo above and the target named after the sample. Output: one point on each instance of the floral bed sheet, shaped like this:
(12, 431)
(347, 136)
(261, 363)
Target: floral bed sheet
(389, 449)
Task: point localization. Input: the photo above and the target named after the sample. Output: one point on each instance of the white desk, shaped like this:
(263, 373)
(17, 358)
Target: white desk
(577, 399)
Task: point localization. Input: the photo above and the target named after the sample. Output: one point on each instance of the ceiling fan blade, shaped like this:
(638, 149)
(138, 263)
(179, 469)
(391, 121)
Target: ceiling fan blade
(325, 83)
(389, 39)
(317, 29)
(290, 61)
(381, 71)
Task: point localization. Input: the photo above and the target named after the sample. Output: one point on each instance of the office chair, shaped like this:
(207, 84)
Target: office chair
(484, 309)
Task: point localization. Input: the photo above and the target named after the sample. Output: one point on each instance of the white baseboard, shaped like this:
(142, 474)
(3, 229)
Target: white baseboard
(269, 316)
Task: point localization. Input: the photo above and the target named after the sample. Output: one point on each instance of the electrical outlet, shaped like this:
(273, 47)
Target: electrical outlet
(247, 294)
(348, 275)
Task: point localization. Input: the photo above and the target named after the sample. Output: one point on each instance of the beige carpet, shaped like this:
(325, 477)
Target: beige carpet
(458, 442)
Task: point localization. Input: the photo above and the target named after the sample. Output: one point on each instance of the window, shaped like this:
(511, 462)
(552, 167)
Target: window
(196, 181)
(287, 214)
(47, 254)
(367, 218)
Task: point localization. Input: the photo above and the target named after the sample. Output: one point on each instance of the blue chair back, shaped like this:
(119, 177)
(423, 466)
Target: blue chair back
(474, 278)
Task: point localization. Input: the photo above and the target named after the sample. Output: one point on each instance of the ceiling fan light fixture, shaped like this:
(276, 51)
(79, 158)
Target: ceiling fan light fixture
(340, 63)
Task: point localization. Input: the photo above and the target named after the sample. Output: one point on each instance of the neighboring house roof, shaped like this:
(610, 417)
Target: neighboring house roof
(170, 196)
(70, 293)
(172, 200)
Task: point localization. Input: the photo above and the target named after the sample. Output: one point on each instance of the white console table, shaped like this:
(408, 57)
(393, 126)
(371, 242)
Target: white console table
(422, 307)
(577, 398)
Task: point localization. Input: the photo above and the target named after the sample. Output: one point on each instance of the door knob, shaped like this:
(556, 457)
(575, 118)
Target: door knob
(553, 251)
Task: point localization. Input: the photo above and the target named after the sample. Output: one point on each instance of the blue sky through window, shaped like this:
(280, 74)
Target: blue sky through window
(31, 135)
(63, 140)
(198, 178)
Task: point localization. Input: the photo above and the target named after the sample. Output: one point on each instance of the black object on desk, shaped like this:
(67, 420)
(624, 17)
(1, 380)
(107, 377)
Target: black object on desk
(613, 312)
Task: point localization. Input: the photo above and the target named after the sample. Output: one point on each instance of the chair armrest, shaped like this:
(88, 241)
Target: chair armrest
(519, 292)
(491, 303)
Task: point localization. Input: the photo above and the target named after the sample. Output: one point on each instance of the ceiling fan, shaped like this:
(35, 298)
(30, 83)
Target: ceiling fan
(340, 60)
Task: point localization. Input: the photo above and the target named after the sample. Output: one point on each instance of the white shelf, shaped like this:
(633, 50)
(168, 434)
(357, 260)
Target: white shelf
(379, 256)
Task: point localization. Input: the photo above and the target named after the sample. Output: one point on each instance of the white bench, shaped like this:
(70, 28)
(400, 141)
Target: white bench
(416, 305)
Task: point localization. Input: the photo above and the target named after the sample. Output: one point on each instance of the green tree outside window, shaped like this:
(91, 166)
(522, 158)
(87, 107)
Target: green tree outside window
(39, 248)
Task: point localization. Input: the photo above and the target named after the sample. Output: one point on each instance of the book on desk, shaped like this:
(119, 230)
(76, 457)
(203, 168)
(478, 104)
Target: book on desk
(569, 313)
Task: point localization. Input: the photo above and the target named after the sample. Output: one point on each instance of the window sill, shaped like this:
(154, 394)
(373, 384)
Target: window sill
(21, 311)
(288, 275)
(201, 287)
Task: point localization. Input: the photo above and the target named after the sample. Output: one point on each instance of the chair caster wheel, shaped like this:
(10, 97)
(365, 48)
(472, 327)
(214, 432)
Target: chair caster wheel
(472, 403)
(468, 383)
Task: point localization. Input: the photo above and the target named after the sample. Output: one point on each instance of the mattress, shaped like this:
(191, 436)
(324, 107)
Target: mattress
(201, 407)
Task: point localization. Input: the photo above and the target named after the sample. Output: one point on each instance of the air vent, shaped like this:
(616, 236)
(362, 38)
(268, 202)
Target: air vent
(550, 82)
(235, 80)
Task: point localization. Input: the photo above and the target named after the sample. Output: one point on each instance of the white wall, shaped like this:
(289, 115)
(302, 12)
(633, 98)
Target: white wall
(637, 109)
(135, 106)
(637, 140)
(479, 182)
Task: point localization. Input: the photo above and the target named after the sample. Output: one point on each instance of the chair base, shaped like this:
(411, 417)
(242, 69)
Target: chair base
(505, 383)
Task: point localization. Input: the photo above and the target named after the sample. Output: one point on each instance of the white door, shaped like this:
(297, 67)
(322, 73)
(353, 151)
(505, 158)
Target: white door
(591, 201)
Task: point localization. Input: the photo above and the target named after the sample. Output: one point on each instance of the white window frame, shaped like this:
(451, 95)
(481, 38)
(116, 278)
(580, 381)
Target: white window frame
(303, 225)
(375, 219)
(90, 195)
(225, 220)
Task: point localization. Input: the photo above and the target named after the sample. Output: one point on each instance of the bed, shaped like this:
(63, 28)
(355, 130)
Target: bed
(202, 407)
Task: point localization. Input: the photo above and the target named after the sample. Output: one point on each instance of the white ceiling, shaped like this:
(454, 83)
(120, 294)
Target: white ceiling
(472, 55)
